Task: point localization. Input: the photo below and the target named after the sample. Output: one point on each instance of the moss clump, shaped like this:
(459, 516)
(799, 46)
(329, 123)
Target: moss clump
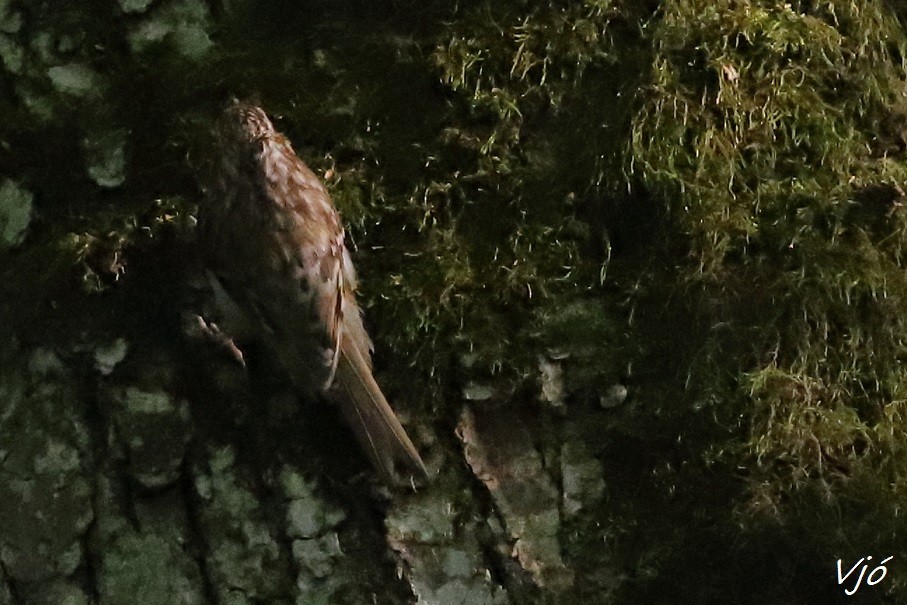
(486, 230)
(589, 339)
(771, 132)
(99, 251)
(762, 126)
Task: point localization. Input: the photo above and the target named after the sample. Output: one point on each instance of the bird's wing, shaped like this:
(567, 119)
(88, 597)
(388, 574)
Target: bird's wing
(305, 255)
(277, 250)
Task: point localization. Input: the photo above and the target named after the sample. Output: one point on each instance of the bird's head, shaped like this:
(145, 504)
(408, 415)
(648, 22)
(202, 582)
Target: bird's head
(247, 122)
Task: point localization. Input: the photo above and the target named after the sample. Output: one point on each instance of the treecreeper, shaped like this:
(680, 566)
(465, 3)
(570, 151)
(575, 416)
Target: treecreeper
(273, 247)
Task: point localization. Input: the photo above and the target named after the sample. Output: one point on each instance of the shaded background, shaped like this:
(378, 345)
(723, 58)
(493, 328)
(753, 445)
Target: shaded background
(634, 272)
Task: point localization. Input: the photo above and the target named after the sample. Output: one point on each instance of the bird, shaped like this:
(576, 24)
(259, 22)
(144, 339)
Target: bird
(274, 251)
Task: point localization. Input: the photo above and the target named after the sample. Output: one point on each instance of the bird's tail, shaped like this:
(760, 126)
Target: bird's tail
(377, 429)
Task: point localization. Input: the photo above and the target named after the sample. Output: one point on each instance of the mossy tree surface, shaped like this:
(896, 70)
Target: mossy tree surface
(700, 199)
(774, 134)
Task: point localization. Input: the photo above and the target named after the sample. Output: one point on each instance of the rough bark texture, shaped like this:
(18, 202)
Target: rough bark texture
(634, 271)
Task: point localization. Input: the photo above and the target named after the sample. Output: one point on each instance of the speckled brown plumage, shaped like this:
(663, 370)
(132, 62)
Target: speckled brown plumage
(274, 244)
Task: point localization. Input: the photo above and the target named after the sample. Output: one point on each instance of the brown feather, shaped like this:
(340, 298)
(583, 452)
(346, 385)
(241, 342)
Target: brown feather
(274, 242)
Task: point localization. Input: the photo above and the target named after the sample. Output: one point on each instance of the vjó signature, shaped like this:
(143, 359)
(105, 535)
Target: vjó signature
(871, 579)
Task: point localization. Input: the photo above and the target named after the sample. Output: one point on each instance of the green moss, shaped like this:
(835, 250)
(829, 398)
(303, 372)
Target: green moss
(483, 234)
(589, 338)
(748, 289)
(769, 132)
(760, 123)
(98, 251)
